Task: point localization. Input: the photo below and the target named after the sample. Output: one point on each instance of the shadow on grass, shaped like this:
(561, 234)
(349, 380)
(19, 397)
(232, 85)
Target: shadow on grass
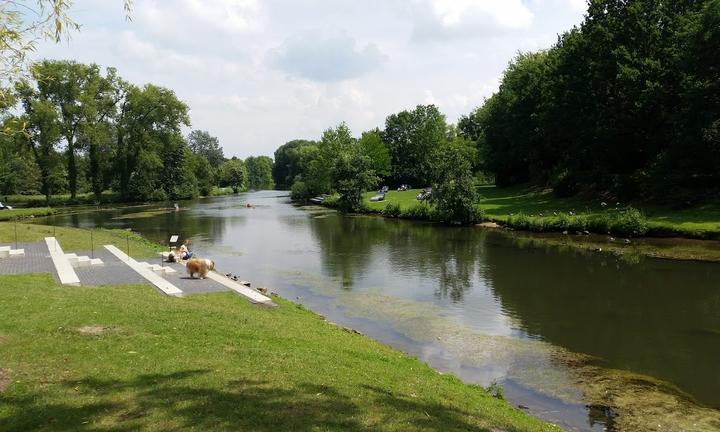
(422, 415)
(183, 400)
(179, 401)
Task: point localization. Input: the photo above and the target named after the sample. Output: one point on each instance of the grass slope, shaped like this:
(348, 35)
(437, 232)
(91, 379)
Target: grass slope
(74, 239)
(498, 204)
(124, 358)
(6, 215)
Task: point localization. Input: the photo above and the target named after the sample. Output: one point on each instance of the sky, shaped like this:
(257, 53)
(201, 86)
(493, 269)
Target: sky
(259, 73)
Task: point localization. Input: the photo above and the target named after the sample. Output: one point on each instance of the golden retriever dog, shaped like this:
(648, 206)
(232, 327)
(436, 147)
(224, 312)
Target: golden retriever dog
(201, 267)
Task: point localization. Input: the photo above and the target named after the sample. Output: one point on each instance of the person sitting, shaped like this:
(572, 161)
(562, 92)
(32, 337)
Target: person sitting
(185, 253)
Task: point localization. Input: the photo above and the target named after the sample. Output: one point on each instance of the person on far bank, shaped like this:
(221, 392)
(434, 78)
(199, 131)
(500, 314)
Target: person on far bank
(185, 253)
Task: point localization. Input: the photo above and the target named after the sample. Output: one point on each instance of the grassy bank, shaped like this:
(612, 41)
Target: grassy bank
(541, 211)
(126, 358)
(24, 213)
(107, 197)
(74, 239)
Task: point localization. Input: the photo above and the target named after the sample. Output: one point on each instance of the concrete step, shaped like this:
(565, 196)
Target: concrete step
(96, 262)
(162, 269)
(17, 252)
(83, 261)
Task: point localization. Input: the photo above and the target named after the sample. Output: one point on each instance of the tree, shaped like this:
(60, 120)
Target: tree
(204, 144)
(149, 118)
(233, 173)
(352, 175)
(178, 178)
(373, 146)
(23, 26)
(204, 174)
(454, 190)
(71, 88)
(42, 134)
(145, 183)
(290, 161)
(19, 175)
(259, 172)
(413, 137)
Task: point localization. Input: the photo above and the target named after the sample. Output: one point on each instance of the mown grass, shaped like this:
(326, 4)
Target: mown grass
(61, 200)
(25, 213)
(125, 358)
(541, 211)
(74, 239)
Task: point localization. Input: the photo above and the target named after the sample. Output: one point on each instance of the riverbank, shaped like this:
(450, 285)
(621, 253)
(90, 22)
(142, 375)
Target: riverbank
(83, 358)
(24, 213)
(541, 211)
(107, 197)
(79, 239)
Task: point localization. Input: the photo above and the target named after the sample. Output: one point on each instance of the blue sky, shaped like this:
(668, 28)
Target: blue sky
(258, 73)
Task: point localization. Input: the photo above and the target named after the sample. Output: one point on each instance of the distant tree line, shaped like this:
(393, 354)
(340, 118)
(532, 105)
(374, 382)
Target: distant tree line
(627, 104)
(70, 128)
(416, 147)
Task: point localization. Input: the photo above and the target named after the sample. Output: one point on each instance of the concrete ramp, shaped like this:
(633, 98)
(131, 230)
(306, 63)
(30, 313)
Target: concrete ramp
(146, 272)
(64, 269)
(251, 294)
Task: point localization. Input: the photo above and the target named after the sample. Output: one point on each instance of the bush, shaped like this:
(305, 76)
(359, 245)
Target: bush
(392, 210)
(418, 211)
(299, 191)
(630, 222)
(333, 201)
(520, 221)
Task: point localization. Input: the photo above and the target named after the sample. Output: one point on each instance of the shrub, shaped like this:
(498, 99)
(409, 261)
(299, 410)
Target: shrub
(629, 222)
(392, 210)
(520, 221)
(299, 191)
(419, 211)
(332, 201)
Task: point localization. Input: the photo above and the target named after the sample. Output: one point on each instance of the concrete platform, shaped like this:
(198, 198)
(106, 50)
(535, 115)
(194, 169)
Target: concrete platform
(35, 260)
(161, 284)
(63, 268)
(252, 295)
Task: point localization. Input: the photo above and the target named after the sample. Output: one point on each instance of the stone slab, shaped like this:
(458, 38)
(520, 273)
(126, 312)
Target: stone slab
(63, 268)
(163, 285)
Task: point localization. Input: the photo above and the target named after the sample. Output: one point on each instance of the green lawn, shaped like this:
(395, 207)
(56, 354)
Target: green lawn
(59, 200)
(124, 358)
(406, 199)
(74, 239)
(498, 204)
(25, 213)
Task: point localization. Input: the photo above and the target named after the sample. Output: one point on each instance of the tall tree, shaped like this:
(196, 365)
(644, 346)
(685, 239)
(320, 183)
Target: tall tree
(149, 118)
(259, 172)
(413, 137)
(67, 84)
(233, 173)
(42, 136)
(202, 143)
(289, 160)
(372, 145)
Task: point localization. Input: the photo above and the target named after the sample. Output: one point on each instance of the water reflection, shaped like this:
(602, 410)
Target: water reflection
(658, 318)
(559, 328)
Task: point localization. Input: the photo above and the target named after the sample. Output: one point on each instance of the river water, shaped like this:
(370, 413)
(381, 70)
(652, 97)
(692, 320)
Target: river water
(589, 341)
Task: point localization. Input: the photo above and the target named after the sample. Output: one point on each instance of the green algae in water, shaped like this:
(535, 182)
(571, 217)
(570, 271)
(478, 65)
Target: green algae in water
(144, 214)
(640, 403)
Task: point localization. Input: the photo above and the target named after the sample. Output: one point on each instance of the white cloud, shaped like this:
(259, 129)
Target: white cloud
(578, 5)
(258, 73)
(321, 57)
(442, 19)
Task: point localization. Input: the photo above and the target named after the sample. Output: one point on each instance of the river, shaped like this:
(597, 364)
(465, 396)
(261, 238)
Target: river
(587, 340)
